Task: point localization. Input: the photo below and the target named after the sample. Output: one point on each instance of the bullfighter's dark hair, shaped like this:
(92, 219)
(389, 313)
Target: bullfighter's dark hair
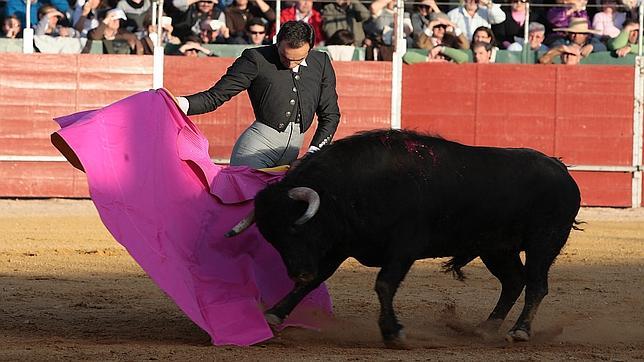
(296, 34)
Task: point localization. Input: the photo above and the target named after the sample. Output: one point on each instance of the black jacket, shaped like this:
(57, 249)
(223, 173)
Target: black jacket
(275, 91)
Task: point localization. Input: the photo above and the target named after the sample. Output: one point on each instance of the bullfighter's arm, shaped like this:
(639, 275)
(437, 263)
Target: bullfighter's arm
(238, 77)
(328, 111)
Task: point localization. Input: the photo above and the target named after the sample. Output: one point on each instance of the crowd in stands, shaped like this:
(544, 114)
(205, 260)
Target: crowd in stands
(474, 30)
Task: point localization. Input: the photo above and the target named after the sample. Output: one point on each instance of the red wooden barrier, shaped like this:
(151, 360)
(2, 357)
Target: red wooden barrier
(36, 88)
(582, 114)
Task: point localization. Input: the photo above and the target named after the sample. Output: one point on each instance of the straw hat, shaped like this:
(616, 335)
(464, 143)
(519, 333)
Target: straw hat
(578, 25)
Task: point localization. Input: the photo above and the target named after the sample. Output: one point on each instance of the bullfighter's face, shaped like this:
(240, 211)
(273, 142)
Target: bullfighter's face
(292, 57)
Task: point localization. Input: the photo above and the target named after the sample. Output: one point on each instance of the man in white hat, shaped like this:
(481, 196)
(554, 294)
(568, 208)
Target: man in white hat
(578, 32)
(110, 28)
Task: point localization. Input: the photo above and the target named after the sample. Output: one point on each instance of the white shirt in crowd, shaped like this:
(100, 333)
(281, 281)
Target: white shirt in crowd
(484, 16)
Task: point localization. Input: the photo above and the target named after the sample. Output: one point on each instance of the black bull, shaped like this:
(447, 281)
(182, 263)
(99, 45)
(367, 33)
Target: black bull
(388, 198)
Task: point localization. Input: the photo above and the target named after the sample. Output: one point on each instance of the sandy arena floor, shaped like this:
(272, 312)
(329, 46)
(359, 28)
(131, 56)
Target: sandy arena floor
(68, 291)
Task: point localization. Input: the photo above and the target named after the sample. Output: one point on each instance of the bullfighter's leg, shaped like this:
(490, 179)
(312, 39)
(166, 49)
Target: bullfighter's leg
(541, 251)
(276, 315)
(508, 268)
(387, 282)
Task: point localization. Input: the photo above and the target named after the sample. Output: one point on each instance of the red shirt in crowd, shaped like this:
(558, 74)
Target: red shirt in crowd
(314, 19)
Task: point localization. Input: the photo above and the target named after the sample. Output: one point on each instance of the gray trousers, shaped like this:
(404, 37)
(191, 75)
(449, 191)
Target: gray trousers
(261, 146)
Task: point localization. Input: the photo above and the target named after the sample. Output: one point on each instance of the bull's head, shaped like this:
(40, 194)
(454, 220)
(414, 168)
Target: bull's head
(281, 215)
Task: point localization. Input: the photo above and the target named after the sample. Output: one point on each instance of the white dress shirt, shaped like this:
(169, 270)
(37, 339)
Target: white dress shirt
(484, 16)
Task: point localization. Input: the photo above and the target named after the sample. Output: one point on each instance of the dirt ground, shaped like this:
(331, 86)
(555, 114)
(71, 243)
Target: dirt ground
(68, 291)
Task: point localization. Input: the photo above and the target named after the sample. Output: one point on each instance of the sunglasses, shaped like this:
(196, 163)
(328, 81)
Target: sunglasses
(441, 26)
(257, 32)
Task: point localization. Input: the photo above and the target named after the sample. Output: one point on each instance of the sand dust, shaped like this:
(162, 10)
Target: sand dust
(68, 291)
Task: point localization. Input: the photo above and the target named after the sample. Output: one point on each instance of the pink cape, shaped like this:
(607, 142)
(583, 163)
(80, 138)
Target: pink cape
(161, 197)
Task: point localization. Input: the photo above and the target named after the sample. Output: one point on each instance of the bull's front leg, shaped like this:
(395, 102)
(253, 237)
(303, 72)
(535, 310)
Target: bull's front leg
(276, 315)
(387, 283)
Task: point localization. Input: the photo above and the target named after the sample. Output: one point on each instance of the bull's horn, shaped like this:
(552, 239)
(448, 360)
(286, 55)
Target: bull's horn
(242, 225)
(311, 197)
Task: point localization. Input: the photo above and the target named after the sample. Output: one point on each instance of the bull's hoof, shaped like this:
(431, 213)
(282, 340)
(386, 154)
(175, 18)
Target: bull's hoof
(397, 342)
(272, 319)
(517, 335)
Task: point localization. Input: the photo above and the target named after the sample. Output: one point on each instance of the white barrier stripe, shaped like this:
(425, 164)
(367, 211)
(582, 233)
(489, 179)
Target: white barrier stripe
(594, 168)
(11, 158)
(638, 125)
(396, 66)
(603, 168)
(16, 158)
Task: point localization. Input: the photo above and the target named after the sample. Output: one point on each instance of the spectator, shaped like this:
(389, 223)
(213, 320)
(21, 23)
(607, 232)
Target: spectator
(627, 40)
(561, 17)
(303, 11)
(192, 12)
(256, 32)
(241, 11)
(444, 52)
(609, 21)
(86, 12)
(483, 34)
(513, 26)
(340, 45)
(11, 28)
(345, 14)
(17, 8)
(579, 33)
(421, 17)
(482, 52)
(150, 35)
(49, 17)
(213, 32)
(536, 35)
(135, 11)
(341, 37)
(570, 54)
(110, 28)
(441, 30)
(192, 48)
(476, 13)
(380, 27)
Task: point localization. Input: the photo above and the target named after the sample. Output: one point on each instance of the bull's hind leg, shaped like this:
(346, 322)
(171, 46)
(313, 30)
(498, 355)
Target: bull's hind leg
(387, 284)
(541, 251)
(506, 267)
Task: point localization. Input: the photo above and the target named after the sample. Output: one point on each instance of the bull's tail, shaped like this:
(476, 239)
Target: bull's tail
(455, 264)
